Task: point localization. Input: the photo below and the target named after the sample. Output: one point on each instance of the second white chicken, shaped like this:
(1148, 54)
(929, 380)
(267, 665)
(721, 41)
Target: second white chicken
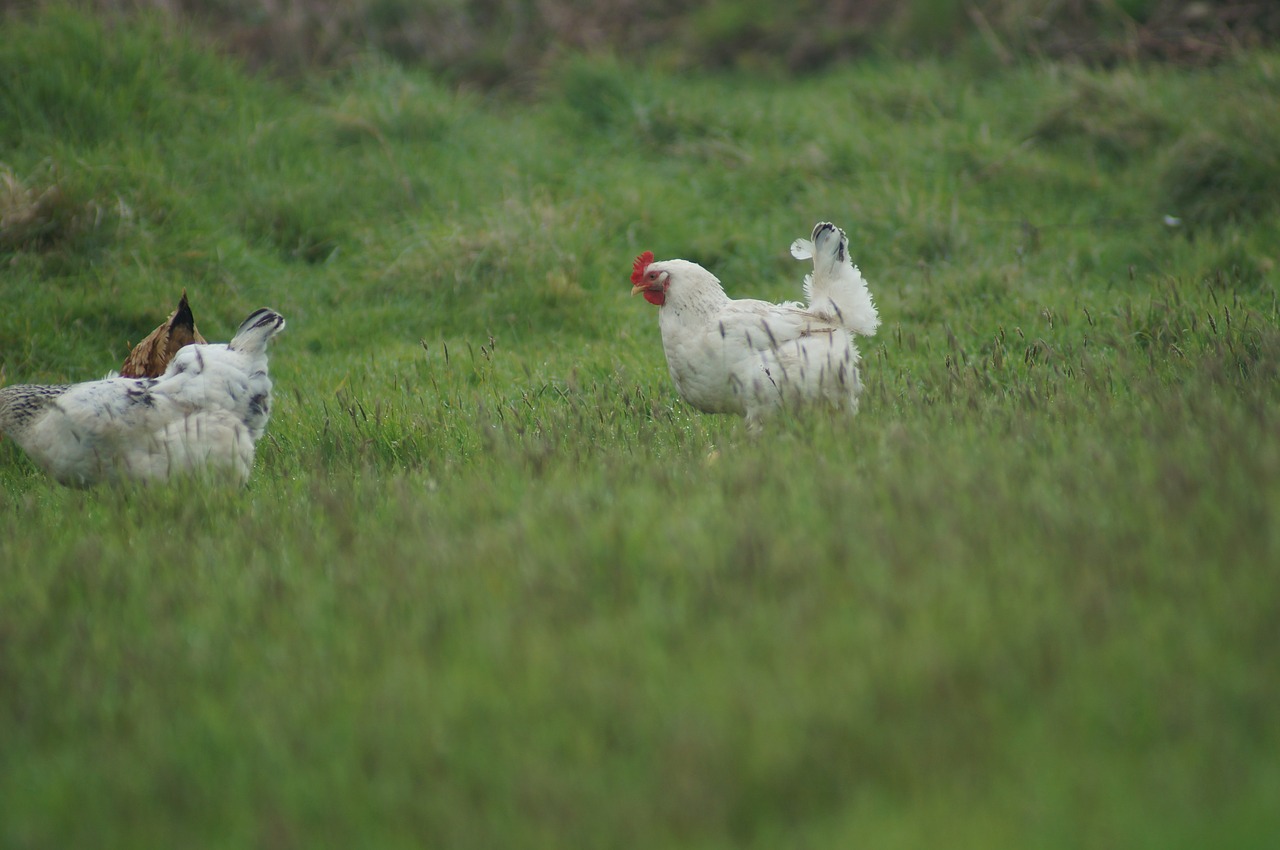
(750, 357)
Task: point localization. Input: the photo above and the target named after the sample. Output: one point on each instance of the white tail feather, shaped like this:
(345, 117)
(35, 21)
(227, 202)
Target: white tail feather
(802, 249)
(836, 288)
(255, 331)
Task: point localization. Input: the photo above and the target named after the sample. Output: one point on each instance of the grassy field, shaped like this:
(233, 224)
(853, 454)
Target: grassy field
(494, 585)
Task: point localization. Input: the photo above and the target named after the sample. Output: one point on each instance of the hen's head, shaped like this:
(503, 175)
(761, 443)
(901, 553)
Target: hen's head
(651, 282)
(672, 280)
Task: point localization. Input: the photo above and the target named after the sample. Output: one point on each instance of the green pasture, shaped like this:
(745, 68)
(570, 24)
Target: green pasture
(493, 584)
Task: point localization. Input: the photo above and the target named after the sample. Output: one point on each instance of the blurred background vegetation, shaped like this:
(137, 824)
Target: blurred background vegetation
(506, 42)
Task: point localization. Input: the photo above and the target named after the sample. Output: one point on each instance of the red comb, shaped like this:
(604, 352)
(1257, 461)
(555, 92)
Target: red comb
(637, 268)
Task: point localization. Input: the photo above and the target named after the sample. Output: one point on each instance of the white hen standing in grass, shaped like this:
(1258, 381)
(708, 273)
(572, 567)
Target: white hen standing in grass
(752, 357)
(205, 412)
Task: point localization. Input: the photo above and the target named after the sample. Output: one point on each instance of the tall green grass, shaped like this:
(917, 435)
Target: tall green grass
(493, 584)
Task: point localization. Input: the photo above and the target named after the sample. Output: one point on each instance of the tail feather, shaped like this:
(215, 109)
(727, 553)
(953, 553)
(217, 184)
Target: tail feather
(151, 357)
(802, 249)
(836, 288)
(184, 321)
(256, 331)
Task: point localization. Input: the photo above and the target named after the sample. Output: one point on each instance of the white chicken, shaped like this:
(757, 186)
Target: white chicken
(205, 412)
(752, 357)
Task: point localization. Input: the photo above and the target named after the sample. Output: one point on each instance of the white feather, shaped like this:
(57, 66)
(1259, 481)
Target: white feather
(836, 288)
(802, 249)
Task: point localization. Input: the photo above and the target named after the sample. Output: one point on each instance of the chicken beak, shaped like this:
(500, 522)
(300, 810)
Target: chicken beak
(659, 285)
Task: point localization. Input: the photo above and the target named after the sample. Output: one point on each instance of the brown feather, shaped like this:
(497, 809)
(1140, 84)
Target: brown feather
(151, 357)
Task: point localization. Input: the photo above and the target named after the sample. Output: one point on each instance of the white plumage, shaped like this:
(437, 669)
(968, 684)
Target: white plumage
(205, 412)
(752, 357)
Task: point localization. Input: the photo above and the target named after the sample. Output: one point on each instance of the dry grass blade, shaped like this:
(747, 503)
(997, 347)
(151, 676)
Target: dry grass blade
(25, 215)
